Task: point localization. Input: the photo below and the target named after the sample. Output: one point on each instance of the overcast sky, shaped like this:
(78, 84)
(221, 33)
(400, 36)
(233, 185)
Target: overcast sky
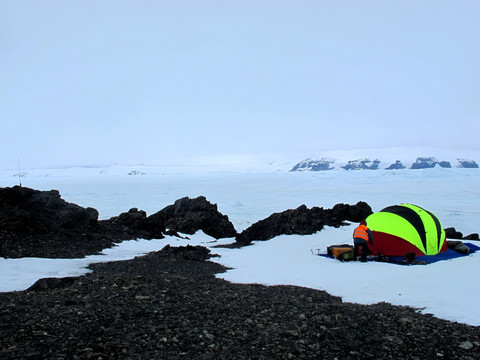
(98, 82)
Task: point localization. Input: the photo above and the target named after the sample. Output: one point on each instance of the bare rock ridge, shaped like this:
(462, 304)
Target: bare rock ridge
(303, 221)
(42, 224)
(189, 215)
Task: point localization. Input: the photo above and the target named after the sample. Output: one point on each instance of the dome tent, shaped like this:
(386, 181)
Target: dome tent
(401, 229)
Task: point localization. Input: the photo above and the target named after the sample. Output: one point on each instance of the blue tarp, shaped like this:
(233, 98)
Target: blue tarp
(447, 255)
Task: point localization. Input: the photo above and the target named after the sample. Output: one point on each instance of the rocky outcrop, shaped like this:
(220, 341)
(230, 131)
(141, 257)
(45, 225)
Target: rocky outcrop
(42, 224)
(429, 162)
(189, 215)
(397, 165)
(314, 165)
(362, 164)
(303, 221)
(131, 225)
(37, 223)
(468, 164)
(28, 211)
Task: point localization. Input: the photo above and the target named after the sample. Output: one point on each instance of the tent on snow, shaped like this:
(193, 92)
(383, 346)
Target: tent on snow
(402, 229)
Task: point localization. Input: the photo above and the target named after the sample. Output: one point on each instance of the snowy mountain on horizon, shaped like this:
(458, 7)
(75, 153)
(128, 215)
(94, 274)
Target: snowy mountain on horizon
(376, 164)
(391, 159)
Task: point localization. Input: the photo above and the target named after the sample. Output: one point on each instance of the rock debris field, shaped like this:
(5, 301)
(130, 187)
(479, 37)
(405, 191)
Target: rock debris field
(170, 305)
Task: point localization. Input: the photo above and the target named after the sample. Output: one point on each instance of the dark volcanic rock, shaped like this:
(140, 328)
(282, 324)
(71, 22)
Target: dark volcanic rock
(189, 215)
(168, 305)
(362, 164)
(133, 217)
(303, 221)
(42, 224)
(133, 224)
(429, 162)
(452, 233)
(29, 211)
(468, 164)
(424, 163)
(51, 283)
(473, 236)
(396, 166)
(354, 213)
(313, 165)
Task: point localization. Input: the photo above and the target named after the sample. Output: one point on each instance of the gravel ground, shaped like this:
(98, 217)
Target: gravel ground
(169, 305)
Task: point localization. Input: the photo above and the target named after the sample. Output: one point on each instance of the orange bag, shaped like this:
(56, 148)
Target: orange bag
(338, 251)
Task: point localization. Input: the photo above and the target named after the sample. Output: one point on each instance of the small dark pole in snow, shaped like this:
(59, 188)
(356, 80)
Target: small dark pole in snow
(19, 175)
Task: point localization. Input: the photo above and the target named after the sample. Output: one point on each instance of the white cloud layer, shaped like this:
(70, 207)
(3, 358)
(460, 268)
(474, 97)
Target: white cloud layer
(164, 81)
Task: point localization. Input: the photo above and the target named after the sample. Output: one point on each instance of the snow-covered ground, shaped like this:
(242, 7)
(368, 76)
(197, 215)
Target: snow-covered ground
(447, 289)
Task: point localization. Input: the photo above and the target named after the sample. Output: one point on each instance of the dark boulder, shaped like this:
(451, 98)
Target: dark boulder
(473, 236)
(51, 283)
(194, 253)
(451, 233)
(354, 213)
(303, 221)
(190, 215)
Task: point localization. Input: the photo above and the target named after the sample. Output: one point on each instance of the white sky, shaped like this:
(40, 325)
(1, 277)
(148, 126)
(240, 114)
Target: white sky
(96, 82)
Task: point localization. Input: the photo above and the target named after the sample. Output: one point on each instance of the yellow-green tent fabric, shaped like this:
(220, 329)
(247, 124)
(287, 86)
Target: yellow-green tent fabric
(406, 228)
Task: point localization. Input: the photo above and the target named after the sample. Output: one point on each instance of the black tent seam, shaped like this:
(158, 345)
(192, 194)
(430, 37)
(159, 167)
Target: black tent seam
(412, 217)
